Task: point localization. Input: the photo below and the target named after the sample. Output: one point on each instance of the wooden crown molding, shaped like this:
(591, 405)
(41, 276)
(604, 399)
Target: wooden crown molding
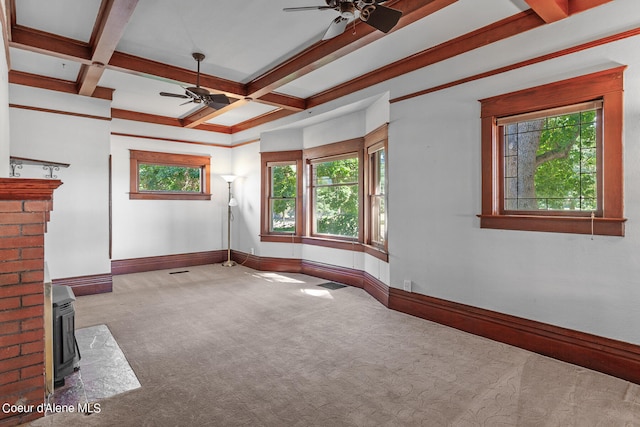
(327, 51)
(50, 83)
(262, 88)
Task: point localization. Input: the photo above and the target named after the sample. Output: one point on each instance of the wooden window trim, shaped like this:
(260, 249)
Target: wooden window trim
(266, 235)
(374, 141)
(606, 85)
(169, 159)
(329, 152)
(303, 159)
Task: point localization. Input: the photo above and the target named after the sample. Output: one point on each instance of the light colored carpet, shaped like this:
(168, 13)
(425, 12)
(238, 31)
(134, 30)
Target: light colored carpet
(237, 347)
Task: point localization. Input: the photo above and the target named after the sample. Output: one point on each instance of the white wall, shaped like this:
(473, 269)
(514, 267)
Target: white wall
(146, 228)
(245, 234)
(435, 194)
(4, 108)
(435, 188)
(77, 239)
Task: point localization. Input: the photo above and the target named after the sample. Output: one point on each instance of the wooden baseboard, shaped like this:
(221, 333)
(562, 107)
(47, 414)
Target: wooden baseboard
(87, 285)
(137, 265)
(348, 276)
(612, 357)
(288, 265)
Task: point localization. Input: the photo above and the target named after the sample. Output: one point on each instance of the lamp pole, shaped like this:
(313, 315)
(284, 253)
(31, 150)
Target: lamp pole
(230, 202)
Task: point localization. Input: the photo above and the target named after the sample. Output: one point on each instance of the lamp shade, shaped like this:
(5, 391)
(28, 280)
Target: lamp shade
(233, 202)
(228, 178)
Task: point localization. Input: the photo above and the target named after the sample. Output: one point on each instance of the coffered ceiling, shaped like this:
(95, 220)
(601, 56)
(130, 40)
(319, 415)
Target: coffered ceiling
(269, 62)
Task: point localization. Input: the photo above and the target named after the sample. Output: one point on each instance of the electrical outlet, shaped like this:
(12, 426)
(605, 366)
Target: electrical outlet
(407, 285)
(253, 251)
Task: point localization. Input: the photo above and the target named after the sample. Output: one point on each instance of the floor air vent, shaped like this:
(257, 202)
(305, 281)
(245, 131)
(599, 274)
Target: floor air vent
(332, 285)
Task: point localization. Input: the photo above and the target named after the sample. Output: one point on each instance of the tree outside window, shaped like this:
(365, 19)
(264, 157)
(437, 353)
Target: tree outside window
(377, 162)
(550, 163)
(282, 199)
(336, 197)
(552, 157)
(169, 176)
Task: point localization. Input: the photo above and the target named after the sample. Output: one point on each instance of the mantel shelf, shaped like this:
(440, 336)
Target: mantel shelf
(18, 162)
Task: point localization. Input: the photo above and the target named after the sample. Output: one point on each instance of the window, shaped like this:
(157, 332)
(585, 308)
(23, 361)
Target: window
(169, 176)
(334, 191)
(552, 157)
(550, 160)
(333, 195)
(281, 191)
(283, 199)
(376, 173)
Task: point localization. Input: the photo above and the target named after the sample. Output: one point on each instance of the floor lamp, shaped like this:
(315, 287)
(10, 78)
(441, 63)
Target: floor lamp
(232, 202)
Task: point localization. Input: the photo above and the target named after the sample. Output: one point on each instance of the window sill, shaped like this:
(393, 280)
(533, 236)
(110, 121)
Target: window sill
(555, 224)
(169, 196)
(280, 238)
(376, 252)
(329, 243)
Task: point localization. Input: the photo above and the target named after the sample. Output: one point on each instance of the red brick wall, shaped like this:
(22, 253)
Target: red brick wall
(22, 228)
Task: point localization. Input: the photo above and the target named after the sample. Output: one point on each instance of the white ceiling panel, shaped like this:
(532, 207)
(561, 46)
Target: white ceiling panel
(240, 38)
(68, 18)
(460, 18)
(243, 40)
(143, 94)
(43, 65)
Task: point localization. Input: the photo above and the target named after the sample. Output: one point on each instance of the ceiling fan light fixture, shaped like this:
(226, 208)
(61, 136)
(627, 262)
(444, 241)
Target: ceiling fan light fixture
(199, 95)
(347, 10)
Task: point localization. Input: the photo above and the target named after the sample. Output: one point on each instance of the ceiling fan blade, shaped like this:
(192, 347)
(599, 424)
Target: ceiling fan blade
(216, 101)
(215, 105)
(336, 28)
(219, 98)
(174, 95)
(299, 9)
(383, 18)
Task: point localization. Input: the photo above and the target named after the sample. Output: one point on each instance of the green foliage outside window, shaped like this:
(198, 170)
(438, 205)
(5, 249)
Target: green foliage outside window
(283, 198)
(336, 203)
(551, 163)
(569, 181)
(169, 178)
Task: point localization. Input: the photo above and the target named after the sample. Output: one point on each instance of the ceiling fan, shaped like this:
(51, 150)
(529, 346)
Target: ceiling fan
(199, 95)
(371, 12)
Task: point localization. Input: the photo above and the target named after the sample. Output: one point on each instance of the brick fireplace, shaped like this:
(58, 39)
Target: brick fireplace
(24, 212)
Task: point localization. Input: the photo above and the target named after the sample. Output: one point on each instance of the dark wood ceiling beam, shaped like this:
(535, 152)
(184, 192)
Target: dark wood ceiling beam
(50, 83)
(10, 11)
(136, 116)
(50, 44)
(284, 101)
(141, 66)
(108, 31)
(325, 52)
(550, 10)
(260, 120)
(5, 28)
(555, 10)
(492, 33)
(204, 114)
